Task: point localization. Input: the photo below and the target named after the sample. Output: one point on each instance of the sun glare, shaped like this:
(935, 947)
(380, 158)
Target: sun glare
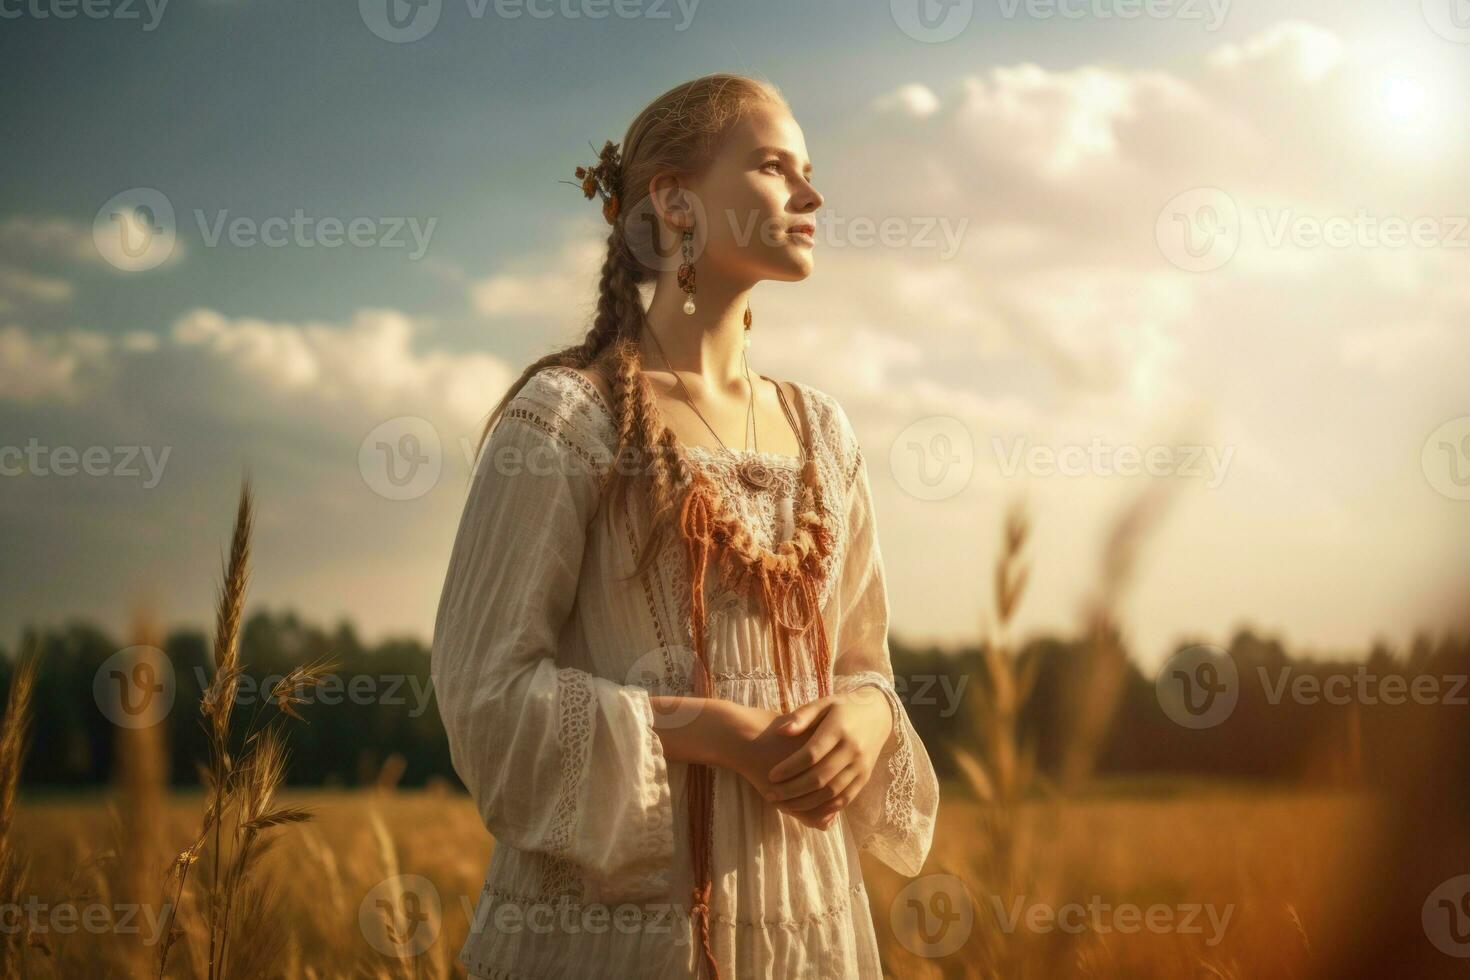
(1404, 99)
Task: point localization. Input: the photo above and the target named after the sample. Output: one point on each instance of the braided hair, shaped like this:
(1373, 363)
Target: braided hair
(677, 132)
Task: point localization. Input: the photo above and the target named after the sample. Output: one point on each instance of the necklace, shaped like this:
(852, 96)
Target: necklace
(752, 470)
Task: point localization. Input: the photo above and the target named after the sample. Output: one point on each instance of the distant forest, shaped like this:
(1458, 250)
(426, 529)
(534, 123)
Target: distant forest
(388, 721)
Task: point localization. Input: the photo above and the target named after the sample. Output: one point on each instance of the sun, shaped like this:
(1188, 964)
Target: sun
(1405, 100)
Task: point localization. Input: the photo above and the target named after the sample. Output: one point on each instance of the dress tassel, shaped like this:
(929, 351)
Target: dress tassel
(781, 581)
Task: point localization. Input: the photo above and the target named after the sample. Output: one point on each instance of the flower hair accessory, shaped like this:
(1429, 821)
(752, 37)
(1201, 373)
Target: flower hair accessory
(605, 179)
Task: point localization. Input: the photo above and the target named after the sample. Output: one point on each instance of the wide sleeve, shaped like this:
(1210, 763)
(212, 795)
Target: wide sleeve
(893, 815)
(557, 759)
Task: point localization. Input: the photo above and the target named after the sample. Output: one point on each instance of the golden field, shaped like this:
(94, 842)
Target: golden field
(1277, 865)
(1031, 875)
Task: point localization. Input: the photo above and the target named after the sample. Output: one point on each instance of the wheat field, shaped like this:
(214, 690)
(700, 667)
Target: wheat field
(1030, 876)
(1272, 863)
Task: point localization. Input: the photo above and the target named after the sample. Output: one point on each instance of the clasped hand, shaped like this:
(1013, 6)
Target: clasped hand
(813, 761)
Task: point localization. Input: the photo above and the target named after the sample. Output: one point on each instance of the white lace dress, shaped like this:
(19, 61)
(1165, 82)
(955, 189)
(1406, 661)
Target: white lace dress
(544, 659)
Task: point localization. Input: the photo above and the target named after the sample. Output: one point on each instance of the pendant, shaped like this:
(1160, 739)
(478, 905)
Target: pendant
(755, 474)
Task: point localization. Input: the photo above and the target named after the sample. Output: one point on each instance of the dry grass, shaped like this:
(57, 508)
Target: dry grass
(241, 816)
(241, 786)
(1277, 860)
(14, 736)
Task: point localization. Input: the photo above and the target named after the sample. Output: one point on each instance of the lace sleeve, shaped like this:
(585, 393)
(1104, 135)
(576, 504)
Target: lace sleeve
(558, 760)
(893, 816)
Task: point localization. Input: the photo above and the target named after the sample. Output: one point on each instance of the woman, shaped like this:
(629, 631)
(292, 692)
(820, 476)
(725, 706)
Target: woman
(662, 662)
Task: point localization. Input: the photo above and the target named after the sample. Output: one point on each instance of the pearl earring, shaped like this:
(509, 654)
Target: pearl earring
(686, 271)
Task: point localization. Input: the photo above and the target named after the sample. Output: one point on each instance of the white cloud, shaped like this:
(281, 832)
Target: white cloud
(39, 368)
(47, 238)
(912, 99)
(1292, 50)
(557, 288)
(369, 363)
(55, 245)
(321, 374)
(1391, 348)
(140, 340)
(1069, 126)
(34, 287)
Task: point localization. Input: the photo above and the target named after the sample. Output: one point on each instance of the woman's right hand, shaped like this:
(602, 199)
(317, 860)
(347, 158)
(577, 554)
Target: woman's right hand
(752, 746)
(711, 731)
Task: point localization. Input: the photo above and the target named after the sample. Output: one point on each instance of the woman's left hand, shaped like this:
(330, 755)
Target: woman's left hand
(836, 761)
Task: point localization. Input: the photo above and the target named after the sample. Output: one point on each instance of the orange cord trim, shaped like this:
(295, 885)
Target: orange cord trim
(787, 581)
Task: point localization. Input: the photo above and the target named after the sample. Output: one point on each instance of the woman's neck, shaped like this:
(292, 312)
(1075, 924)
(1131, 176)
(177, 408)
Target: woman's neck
(709, 343)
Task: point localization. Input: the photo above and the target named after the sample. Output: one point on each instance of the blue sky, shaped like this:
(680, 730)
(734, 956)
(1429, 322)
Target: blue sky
(1051, 144)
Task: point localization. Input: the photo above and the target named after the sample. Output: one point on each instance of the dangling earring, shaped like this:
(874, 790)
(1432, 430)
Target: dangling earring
(747, 324)
(686, 271)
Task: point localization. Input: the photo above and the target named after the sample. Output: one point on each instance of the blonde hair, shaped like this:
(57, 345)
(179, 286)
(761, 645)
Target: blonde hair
(679, 132)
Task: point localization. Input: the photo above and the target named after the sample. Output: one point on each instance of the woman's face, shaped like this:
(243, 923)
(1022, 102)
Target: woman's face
(753, 201)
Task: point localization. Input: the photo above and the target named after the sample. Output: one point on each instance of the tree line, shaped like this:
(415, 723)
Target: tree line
(1340, 720)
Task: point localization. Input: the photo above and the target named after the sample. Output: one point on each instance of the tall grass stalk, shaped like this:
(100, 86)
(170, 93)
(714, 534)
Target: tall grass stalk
(14, 740)
(240, 785)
